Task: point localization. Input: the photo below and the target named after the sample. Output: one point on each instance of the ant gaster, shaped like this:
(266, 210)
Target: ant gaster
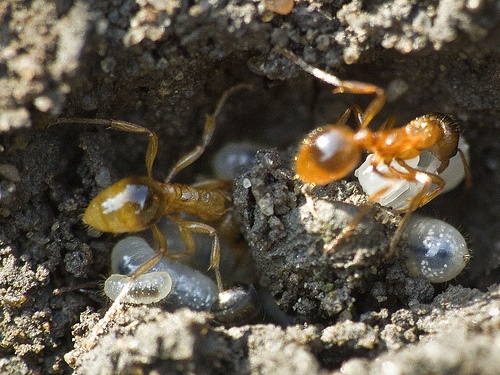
(331, 152)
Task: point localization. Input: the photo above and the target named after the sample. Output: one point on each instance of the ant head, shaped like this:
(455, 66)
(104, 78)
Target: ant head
(129, 205)
(327, 154)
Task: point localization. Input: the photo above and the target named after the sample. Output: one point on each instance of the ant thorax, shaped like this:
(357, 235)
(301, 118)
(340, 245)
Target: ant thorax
(399, 193)
(203, 201)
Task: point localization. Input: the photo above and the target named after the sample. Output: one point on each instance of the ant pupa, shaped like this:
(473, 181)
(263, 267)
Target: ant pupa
(331, 152)
(135, 204)
(435, 249)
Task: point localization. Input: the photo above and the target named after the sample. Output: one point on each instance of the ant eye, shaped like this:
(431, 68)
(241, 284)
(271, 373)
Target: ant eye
(454, 174)
(436, 250)
(327, 155)
(129, 205)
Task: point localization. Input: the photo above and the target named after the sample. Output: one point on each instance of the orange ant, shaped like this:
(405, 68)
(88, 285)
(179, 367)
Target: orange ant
(134, 204)
(331, 152)
(282, 7)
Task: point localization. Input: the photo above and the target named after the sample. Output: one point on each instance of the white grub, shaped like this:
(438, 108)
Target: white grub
(189, 287)
(400, 192)
(435, 250)
(147, 288)
(233, 159)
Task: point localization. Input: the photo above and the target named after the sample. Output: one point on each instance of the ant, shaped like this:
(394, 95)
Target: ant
(282, 7)
(134, 204)
(331, 152)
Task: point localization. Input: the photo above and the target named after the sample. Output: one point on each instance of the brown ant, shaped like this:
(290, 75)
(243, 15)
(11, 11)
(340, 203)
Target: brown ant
(331, 152)
(134, 204)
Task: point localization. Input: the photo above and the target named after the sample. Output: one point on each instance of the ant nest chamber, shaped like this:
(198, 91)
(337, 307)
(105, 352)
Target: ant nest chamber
(286, 234)
(289, 227)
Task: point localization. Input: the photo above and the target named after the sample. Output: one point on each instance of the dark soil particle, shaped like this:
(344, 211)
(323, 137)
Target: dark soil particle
(165, 64)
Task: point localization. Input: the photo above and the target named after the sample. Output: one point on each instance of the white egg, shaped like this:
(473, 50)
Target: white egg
(436, 250)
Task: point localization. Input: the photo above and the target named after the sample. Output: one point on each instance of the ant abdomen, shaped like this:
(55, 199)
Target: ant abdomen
(327, 154)
(132, 204)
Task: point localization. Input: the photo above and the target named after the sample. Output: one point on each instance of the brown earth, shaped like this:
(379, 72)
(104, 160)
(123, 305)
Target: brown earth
(164, 65)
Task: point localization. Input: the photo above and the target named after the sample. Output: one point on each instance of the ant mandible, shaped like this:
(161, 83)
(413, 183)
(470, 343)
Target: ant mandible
(134, 204)
(331, 152)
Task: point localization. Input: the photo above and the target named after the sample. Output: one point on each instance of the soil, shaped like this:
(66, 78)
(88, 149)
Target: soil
(165, 65)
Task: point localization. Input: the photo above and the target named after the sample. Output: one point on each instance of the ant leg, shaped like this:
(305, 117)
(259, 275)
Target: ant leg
(187, 239)
(424, 196)
(415, 203)
(468, 174)
(208, 131)
(193, 226)
(425, 178)
(389, 123)
(160, 240)
(347, 230)
(127, 127)
(355, 87)
(349, 87)
(363, 210)
(306, 189)
(358, 115)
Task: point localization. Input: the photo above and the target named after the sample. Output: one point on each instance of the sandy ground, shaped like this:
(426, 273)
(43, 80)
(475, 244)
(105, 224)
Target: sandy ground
(165, 65)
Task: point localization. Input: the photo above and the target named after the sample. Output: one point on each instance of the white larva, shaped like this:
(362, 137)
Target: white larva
(177, 285)
(188, 287)
(435, 250)
(400, 192)
(233, 158)
(147, 288)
